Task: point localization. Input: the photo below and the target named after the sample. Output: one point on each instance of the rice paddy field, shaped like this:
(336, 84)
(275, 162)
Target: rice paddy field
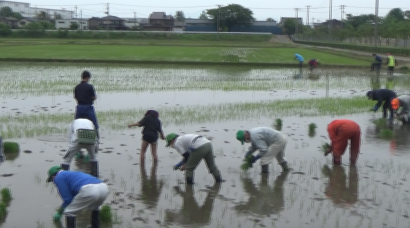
(37, 106)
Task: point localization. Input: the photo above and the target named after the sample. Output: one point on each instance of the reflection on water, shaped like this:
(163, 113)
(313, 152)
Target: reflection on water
(1, 151)
(150, 187)
(191, 213)
(401, 139)
(341, 190)
(263, 200)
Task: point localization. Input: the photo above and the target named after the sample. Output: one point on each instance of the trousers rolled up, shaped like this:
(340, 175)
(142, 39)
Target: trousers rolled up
(203, 152)
(90, 197)
(87, 112)
(275, 150)
(75, 147)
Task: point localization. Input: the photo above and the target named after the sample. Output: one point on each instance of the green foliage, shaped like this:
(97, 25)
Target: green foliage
(5, 195)
(42, 15)
(395, 14)
(386, 134)
(278, 124)
(380, 123)
(62, 33)
(3, 210)
(289, 27)
(325, 147)
(35, 29)
(57, 16)
(245, 166)
(5, 30)
(106, 214)
(11, 147)
(179, 16)
(312, 129)
(6, 11)
(73, 26)
(203, 15)
(231, 15)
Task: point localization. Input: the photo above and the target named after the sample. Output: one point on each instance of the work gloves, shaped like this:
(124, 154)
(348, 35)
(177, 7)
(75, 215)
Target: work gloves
(375, 108)
(57, 216)
(176, 167)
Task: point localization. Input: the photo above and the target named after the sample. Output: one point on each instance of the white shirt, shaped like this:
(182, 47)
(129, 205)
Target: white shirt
(189, 142)
(79, 124)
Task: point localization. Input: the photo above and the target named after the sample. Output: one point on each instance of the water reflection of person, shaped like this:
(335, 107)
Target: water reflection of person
(337, 190)
(2, 157)
(150, 187)
(191, 214)
(265, 200)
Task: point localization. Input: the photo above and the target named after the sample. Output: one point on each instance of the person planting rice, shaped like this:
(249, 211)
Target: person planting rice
(300, 59)
(402, 102)
(84, 94)
(79, 191)
(377, 63)
(83, 136)
(270, 143)
(382, 95)
(313, 63)
(152, 127)
(193, 148)
(340, 132)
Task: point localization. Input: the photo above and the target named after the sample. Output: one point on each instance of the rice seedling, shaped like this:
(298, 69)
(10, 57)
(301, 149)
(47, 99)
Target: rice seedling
(11, 147)
(278, 124)
(325, 147)
(5, 195)
(106, 214)
(386, 134)
(312, 129)
(380, 123)
(3, 210)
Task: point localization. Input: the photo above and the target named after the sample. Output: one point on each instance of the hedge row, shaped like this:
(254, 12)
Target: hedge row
(355, 47)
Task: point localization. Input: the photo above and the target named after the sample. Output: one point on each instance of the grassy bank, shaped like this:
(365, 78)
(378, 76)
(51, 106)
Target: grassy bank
(170, 53)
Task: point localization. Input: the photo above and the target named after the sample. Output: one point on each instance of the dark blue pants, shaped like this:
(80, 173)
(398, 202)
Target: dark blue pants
(86, 112)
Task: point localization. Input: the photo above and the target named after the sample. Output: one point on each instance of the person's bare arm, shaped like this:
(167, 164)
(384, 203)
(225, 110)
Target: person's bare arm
(134, 124)
(161, 133)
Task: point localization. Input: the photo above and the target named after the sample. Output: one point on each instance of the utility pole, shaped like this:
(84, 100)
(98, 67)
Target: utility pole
(108, 13)
(313, 22)
(376, 23)
(297, 20)
(330, 18)
(76, 15)
(135, 20)
(81, 20)
(307, 7)
(219, 19)
(342, 12)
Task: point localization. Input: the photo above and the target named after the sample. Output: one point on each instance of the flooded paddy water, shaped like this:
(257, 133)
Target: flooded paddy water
(37, 105)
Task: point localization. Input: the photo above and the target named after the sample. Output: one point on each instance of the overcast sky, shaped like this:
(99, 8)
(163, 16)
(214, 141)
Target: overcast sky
(262, 9)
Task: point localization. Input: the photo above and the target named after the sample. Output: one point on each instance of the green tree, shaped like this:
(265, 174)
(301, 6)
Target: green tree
(395, 14)
(6, 12)
(231, 15)
(289, 27)
(269, 19)
(5, 30)
(356, 21)
(57, 16)
(407, 14)
(42, 15)
(203, 16)
(34, 29)
(73, 26)
(179, 16)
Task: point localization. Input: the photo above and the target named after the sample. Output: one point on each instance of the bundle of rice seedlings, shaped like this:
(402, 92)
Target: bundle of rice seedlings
(312, 129)
(245, 166)
(5, 195)
(106, 214)
(278, 124)
(11, 147)
(386, 134)
(325, 147)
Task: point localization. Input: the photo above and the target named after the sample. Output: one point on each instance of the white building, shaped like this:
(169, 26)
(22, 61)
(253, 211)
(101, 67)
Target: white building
(26, 11)
(65, 23)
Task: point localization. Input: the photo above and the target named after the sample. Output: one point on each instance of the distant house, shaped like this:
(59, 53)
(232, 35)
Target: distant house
(11, 21)
(200, 25)
(179, 26)
(336, 24)
(159, 21)
(283, 19)
(27, 20)
(109, 22)
(66, 23)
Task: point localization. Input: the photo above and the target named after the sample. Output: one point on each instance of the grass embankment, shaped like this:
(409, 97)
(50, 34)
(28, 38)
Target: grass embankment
(174, 54)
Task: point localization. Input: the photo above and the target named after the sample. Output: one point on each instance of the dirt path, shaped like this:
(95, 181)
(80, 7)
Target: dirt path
(280, 39)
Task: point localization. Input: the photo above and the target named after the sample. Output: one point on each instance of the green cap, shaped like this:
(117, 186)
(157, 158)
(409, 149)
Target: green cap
(240, 135)
(52, 171)
(169, 138)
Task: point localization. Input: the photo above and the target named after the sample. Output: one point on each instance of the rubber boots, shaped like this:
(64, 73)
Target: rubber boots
(285, 166)
(265, 169)
(95, 219)
(94, 168)
(218, 178)
(65, 167)
(189, 180)
(70, 222)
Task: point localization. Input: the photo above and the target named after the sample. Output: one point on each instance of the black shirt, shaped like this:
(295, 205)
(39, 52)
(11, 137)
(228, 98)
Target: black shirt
(84, 93)
(151, 126)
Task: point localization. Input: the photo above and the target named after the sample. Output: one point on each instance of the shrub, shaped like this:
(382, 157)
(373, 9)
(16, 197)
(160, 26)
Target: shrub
(5, 30)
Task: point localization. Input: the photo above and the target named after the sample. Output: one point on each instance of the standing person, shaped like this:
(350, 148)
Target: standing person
(152, 126)
(193, 148)
(270, 143)
(391, 63)
(377, 63)
(300, 59)
(382, 95)
(85, 95)
(313, 63)
(340, 132)
(82, 135)
(79, 191)
(402, 101)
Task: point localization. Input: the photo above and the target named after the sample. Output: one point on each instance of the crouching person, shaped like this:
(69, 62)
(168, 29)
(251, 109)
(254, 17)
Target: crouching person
(82, 136)
(193, 148)
(79, 191)
(270, 143)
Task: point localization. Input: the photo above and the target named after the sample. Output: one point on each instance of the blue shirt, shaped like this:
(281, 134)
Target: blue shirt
(69, 184)
(299, 57)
